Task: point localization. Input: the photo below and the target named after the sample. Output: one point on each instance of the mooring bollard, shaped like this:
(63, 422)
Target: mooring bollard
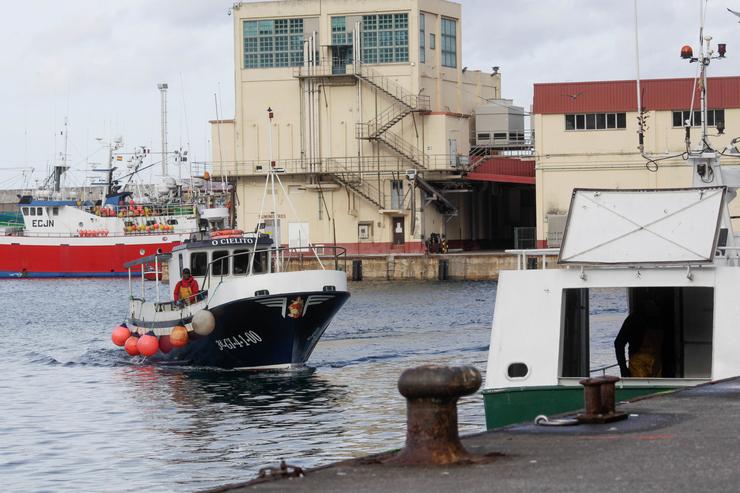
(431, 393)
(599, 399)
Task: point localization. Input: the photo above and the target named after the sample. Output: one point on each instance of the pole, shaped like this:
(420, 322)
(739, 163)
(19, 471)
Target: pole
(275, 232)
(163, 103)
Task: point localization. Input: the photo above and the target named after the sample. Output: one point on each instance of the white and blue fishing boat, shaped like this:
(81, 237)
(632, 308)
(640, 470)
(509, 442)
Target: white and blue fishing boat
(258, 307)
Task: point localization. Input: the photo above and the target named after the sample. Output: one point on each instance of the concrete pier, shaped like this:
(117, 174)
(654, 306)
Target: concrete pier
(465, 266)
(681, 441)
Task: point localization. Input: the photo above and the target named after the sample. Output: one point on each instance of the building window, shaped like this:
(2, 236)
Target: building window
(273, 43)
(396, 194)
(432, 41)
(449, 43)
(385, 38)
(339, 34)
(364, 230)
(422, 37)
(713, 117)
(596, 121)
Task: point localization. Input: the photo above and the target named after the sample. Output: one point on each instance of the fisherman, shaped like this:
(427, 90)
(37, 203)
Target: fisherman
(643, 334)
(186, 289)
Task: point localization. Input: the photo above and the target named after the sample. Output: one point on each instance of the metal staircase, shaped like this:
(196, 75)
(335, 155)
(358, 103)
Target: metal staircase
(353, 180)
(404, 103)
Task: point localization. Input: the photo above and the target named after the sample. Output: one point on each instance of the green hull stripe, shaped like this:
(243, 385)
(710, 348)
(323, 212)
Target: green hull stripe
(507, 407)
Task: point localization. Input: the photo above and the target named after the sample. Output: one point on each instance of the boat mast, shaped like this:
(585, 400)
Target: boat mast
(275, 229)
(163, 107)
(60, 169)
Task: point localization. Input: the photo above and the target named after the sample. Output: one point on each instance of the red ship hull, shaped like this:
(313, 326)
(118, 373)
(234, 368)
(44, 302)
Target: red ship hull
(44, 258)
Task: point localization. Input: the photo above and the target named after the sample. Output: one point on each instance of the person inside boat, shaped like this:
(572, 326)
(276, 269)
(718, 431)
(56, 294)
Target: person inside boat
(642, 332)
(186, 289)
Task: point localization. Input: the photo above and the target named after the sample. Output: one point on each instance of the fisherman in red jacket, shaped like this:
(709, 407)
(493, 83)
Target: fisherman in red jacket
(186, 288)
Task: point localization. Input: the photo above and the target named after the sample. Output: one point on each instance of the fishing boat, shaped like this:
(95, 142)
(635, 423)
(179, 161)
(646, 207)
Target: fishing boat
(62, 235)
(259, 306)
(671, 253)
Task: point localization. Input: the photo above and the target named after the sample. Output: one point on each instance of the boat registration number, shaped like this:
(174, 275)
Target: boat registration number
(246, 338)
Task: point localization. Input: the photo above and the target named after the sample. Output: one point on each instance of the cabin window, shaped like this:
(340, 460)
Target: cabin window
(220, 263)
(33, 211)
(241, 262)
(670, 330)
(25, 211)
(199, 263)
(39, 211)
(55, 211)
(260, 264)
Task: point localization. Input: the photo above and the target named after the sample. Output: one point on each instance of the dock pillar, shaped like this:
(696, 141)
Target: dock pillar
(443, 269)
(431, 393)
(357, 270)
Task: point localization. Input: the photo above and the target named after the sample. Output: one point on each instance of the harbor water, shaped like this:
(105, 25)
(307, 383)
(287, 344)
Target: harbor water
(80, 415)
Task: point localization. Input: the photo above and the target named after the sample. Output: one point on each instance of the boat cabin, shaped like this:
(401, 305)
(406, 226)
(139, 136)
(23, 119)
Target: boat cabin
(644, 272)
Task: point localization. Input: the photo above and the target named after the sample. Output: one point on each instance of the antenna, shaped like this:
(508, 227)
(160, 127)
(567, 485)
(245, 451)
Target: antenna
(163, 92)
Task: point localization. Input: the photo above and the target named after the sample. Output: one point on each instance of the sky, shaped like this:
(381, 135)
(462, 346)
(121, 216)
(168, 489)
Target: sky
(97, 65)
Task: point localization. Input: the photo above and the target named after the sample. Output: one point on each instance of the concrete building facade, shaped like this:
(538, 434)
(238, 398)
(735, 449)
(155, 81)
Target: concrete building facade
(370, 122)
(587, 137)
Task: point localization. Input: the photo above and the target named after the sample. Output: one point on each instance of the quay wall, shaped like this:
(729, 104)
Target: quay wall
(469, 266)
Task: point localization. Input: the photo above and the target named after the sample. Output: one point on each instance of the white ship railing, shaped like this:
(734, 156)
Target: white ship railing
(523, 255)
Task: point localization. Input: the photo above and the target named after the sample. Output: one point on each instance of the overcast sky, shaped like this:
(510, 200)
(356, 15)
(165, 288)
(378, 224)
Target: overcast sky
(98, 64)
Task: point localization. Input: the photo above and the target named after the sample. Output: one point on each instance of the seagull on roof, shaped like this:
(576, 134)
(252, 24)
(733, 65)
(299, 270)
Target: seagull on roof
(573, 96)
(736, 13)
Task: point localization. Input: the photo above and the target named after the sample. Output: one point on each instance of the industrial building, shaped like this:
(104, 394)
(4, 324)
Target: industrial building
(368, 114)
(587, 137)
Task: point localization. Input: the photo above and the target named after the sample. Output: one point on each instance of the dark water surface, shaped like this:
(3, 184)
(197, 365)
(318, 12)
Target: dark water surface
(80, 415)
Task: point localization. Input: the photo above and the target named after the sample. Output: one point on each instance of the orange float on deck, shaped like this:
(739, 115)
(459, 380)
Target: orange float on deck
(179, 336)
(120, 335)
(130, 346)
(147, 345)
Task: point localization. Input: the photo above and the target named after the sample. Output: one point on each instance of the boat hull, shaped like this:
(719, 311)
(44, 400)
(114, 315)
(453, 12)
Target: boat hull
(23, 257)
(509, 406)
(260, 332)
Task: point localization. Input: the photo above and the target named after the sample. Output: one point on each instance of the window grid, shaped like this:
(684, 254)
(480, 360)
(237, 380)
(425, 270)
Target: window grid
(713, 117)
(273, 43)
(449, 43)
(385, 38)
(595, 121)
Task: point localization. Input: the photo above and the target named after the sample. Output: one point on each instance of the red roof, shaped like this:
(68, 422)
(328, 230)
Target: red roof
(503, 170)
(621, 95)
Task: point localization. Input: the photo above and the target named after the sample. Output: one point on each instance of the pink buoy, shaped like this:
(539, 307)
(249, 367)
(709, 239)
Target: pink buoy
(130, 346)
(147, 345)
(120, 334)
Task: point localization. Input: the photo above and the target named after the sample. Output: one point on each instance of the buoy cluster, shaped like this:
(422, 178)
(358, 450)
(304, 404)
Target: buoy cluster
(149, 344)
(149, 228)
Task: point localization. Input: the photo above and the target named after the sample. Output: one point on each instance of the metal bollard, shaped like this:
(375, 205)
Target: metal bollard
(599, 400)
(431, 393)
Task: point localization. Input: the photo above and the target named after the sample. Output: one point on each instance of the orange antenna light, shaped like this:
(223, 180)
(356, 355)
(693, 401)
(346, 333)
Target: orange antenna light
(687, 52)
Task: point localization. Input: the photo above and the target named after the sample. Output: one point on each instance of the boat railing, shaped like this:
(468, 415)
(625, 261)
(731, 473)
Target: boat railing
(523, 256)
(603, 369)
(731, 254)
